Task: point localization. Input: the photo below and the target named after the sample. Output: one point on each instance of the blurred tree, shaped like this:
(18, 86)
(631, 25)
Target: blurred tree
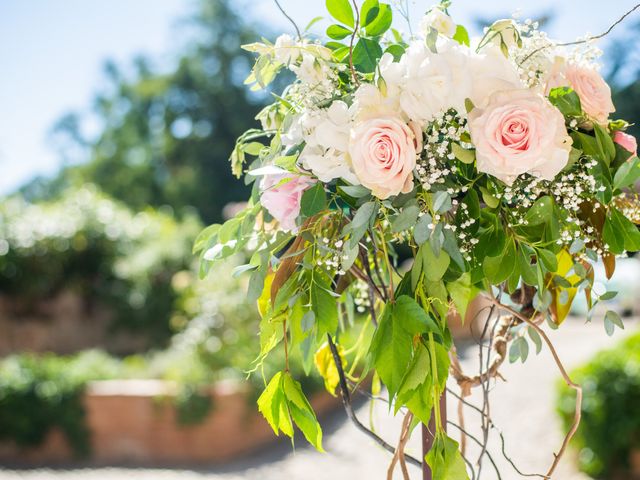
(165, 138)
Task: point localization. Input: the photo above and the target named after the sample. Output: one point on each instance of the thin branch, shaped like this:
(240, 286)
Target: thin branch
(399, 455)
(500, 434)
(588, 39)
(353, 37)
(578, 412)
(346, 402)
(495, 467)
(295, 25)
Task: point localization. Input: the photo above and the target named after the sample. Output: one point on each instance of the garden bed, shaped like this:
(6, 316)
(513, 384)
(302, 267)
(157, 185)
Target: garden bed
(135, 422)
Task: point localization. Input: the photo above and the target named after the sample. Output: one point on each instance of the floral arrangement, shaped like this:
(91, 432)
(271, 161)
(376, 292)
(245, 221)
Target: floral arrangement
(494, 166)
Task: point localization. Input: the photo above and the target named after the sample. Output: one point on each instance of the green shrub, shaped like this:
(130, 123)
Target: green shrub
(92, 245)
(610, 427)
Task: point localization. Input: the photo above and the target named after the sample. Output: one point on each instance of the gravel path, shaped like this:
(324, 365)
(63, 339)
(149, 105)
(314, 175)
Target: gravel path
(522, 407)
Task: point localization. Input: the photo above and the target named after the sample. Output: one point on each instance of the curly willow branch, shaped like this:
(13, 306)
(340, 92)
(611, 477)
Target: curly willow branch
(353, 37)
(295, 25)
(588, 39)
(465, 382)
(577, 416)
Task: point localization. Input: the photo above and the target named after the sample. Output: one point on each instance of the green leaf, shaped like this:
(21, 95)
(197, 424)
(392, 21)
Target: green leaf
(627, 174)
(312, 23)
(462, 154)
(620, 233)
(489, 198)
(548, 259)
(606, 144)
(381, 22)
(390, 350)
(406, 219)
(396, 50)
(273, 406)
(441, 201)
(369, 11)
(566, 100)
(302, 412)
(323, 305)
(338, 32)
(313, 200)
(341, 10)
(412, 317)
(422, 232)
(540, 211)
(498, 269)
(445, 460)
(366, 54)
(535, 337)
(519, 350)
(462, 292)
(434, 267)
(461, 36)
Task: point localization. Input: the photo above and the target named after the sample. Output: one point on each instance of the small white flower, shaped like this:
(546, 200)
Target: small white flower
(286, 50)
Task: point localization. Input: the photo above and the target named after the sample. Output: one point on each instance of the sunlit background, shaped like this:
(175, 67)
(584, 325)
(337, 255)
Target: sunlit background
(118, 120)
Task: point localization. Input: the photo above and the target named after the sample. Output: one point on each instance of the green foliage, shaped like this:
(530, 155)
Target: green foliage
(167, 135)
(98, 248)
(608, 431)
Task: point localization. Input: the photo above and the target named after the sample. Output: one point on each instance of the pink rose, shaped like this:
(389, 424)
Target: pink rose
(626, 141)
(594, 93)
(282, 201)
(383, 155)
(519, 132)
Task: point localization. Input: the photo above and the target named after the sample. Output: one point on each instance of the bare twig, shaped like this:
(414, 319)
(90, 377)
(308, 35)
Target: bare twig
(500, 434)
(346, 402)
(588, 39)
(495, 467)
(353, 37)
(295, 25)
(577, 416)
(399, 455)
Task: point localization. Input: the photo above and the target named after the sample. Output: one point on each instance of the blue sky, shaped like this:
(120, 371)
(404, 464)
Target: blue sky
(52, 54)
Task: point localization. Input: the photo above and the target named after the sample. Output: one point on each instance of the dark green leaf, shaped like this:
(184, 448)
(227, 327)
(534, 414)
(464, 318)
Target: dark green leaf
(366, 54)
(381, 22)
(540, 211)
(627, 174)
(498, 269)
(313, 200)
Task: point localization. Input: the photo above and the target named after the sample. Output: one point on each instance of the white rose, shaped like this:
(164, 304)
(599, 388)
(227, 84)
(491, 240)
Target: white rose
(328, 164)
(434, 81)
(491, 72)
(439, 21)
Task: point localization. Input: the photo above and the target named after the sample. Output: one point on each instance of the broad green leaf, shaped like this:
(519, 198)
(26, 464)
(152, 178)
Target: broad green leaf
(338, 32)
(566, 100)
(498, 269)
(390, 350)
(489, 198)
(273, 406)
(462, 154)
(620, 233)
(606, 144)
(381, 22)
(462, 292)
(406, 219)
(422, 232)
(548, 259)
(441, 201)
(369, 11)
(341, 10)
(301, 412)
(434, 267)
(627, 174)
(445, 460)
(612, 320)
(313, 200)
(412, 317)
(366, 54)
(540, 211)
(324, 305)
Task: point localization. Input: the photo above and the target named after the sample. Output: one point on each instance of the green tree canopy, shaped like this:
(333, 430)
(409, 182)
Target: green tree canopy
(165, 138)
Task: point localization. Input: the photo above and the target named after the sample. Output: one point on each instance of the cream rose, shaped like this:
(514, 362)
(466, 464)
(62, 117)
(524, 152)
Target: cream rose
(519, 132)
(383, 155)
(594, 93)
